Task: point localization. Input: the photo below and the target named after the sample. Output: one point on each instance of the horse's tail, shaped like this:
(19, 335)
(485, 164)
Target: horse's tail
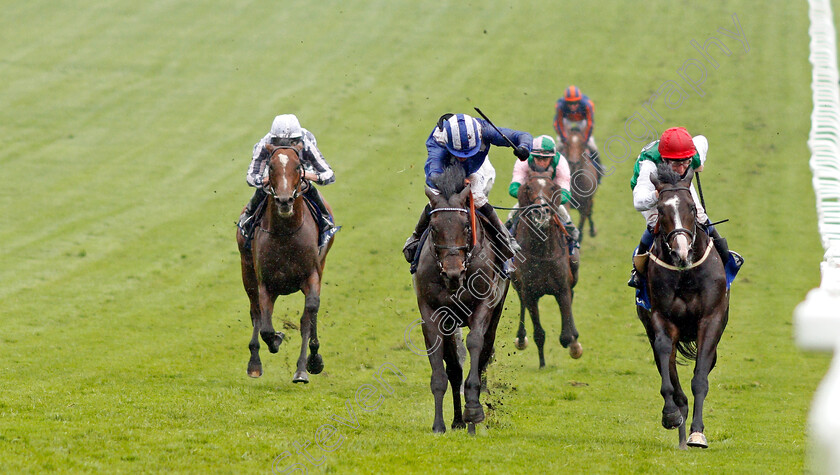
(687, 349)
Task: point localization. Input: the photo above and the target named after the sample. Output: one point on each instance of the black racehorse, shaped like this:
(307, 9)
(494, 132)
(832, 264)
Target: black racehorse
(689, 303)
(584, 176)
(458, 283)
(545, 268)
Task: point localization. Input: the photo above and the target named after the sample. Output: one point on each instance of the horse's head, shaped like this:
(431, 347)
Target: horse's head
(451, 235)
(677, 221)
(285, 178)
(575, 147)
(539, 191)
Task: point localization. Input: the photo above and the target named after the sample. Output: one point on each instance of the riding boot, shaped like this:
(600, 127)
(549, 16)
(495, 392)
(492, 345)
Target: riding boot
(244, 224)
(410, 247)
(721, 245)
(488, 211)
(640, 259)
(326, 223)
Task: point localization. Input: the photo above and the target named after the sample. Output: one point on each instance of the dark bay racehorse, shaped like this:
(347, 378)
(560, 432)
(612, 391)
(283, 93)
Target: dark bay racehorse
(584, 179)
(545, 269)
(458, 283)
(689, 303)
(284, 258)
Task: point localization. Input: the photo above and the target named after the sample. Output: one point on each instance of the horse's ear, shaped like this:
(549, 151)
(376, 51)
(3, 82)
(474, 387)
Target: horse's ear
(433, 195)
(462, 196)
(689, 175)
(655, 180)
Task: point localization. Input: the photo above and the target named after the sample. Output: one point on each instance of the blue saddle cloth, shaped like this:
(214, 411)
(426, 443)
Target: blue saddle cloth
(731, 268)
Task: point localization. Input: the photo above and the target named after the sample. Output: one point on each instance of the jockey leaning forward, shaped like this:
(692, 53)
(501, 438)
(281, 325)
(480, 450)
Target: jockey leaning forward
(678, 149)
(286, 131)
(576, 111)
(545, 158)
(462, 140)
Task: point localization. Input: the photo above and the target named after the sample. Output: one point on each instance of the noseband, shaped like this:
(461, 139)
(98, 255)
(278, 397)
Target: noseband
(451, 248)
(675, 232)
(298, 188)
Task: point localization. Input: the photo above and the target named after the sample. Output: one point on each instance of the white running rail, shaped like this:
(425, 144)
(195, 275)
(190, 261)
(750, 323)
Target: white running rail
(817, 319)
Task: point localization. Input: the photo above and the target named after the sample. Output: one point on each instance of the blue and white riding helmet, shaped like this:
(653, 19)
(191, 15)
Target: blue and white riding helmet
(463, 135)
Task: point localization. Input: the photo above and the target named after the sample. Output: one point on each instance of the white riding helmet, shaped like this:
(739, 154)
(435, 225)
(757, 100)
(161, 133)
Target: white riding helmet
(286, 126)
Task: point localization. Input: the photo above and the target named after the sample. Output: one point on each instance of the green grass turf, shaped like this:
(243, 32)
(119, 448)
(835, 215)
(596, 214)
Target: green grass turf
(125, 132)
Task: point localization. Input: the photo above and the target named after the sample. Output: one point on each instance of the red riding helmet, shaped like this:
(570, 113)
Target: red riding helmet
(676, 144)
(572, 94)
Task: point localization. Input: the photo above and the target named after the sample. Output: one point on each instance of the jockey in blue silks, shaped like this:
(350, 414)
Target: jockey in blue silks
(462, 140)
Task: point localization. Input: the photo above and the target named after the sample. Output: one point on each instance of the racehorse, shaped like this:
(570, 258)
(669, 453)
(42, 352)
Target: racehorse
(584, 179)
(689, 303)
(284, 258)
(458, 283)
(545, 267)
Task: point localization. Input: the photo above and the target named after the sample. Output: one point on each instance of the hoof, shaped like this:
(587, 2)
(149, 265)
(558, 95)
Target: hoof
(575, 350)
(439, 429)
(521, 344)
(301, 377)
(456, 425)
(473, 414)
(697, 439)
(273, 340)
(672, 420)
(314, 364)
(471, 429)
(255, 370)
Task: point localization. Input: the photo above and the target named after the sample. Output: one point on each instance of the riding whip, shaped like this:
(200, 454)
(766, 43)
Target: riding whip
(700, 189)
(494, 126)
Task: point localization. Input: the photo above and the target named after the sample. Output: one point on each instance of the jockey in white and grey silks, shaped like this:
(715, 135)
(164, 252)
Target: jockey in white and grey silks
(286, 130)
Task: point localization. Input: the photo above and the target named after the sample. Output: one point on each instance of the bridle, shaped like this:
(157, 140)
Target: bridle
(466, 248)
(299, 187)
(677, 231)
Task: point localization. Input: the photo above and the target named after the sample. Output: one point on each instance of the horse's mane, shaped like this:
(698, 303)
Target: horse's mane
(666, 174)
(451, 181)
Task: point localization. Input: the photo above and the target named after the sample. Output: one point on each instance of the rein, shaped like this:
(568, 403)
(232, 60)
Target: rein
(690, 234)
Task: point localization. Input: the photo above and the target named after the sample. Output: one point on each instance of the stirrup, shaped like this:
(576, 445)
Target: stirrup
(635, 280)
(410, 248)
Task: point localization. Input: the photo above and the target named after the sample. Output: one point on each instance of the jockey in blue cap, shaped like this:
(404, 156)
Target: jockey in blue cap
(462, 140)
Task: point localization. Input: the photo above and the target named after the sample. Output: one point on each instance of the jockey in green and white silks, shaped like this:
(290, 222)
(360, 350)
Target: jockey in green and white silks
(680, 150)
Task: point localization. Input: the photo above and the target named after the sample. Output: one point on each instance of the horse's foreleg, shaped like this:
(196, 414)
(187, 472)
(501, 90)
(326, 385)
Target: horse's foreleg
(479, 320)
(679, 397)
(568, 333)
(532, 303)
(309, 331)
(663, 345)
(254, 364)
(521, 341)
(434, 340)
(455, 373)
(708, 336)
(270, 337)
